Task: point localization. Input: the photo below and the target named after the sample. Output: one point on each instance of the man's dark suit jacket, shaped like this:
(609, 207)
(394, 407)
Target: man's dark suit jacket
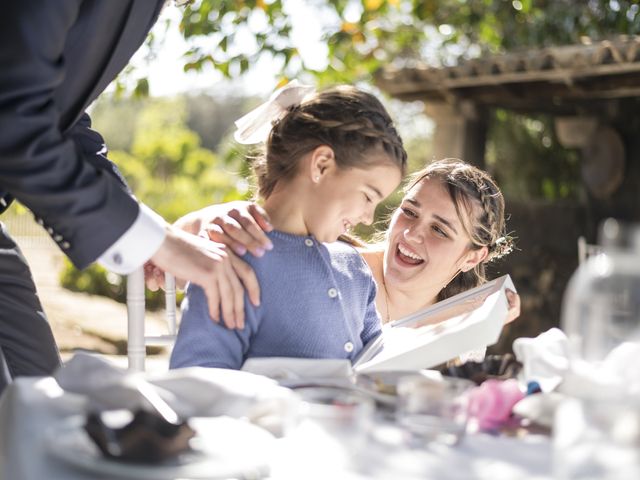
(56, 57)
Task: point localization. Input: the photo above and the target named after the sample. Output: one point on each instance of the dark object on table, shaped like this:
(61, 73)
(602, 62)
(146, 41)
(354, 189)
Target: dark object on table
(500, 367)
(147, 438)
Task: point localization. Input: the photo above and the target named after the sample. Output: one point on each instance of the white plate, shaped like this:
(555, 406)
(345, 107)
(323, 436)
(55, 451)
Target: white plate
(224, 447)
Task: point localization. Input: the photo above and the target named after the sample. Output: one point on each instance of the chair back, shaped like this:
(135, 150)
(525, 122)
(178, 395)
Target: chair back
(137, 341)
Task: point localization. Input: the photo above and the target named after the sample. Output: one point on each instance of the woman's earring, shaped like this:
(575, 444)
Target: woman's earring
(316, 178)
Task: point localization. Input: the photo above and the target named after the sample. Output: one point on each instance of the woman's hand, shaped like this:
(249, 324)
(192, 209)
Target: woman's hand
(514, 306)
(241, 226)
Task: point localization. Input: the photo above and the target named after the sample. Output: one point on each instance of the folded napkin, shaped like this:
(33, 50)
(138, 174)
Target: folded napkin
(190, 392)
(545, 358)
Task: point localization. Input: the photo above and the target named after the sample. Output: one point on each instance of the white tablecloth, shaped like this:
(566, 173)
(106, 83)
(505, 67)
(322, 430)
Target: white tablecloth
(31, 405)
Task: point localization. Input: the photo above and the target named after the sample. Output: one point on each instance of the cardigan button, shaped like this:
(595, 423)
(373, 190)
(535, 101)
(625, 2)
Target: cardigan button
(332, 292)
(308, 242)
(348, 347)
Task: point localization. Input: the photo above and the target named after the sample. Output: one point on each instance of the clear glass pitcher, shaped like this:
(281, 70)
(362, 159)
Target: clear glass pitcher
(597, 426)
(601, 306)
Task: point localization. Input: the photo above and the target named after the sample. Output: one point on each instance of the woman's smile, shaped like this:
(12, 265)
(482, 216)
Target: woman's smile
(407, 257)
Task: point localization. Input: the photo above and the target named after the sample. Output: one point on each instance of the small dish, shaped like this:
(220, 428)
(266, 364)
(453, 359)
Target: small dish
(223, 447)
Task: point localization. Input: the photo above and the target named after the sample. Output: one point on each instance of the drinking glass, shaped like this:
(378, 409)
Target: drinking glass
(334, 426)
(433, 410)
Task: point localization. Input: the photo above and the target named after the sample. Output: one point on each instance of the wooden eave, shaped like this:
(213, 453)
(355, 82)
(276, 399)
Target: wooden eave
(558, 79)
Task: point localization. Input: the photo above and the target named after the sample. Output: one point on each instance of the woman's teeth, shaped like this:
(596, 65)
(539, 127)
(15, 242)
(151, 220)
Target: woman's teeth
(409, 257)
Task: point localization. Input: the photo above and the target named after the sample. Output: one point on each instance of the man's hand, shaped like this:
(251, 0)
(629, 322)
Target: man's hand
(240, 225)
(214, 268)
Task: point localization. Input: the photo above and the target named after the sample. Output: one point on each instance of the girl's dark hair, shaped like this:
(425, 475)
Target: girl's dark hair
(485, 225)
(350, 121)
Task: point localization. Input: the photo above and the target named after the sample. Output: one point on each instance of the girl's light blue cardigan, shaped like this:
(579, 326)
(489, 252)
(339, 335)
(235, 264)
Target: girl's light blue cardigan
(317, 301)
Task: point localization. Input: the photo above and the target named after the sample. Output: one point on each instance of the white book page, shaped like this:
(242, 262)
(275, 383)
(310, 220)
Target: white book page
(472, 298)
(416, 342)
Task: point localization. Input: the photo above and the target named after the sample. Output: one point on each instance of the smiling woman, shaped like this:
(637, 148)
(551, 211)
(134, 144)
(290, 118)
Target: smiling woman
(450, 223)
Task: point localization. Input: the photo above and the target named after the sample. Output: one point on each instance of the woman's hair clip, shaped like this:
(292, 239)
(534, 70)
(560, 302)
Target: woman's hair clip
(255, 126)
(503, 246)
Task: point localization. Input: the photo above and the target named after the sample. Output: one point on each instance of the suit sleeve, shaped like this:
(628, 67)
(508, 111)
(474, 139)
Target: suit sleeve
(203, 343)
(70, 187)
(94, 149)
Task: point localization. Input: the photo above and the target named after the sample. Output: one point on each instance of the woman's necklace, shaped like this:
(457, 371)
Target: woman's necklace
(386, 300)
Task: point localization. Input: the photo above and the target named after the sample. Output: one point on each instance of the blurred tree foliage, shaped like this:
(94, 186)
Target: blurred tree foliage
(527, 160)
(364, 35)
(212, 117)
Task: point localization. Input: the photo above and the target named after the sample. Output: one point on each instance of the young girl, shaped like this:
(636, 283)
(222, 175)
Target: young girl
(328, 162)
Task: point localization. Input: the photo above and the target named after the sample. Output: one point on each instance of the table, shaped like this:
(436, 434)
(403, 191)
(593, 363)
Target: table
(30, 405)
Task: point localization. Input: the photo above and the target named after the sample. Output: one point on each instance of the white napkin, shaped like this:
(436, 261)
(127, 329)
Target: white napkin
(191, 392)
(540, 407)
(614, 378)
(545, 358)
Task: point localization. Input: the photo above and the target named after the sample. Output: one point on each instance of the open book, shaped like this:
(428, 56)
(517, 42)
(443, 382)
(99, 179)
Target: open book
(464, 322)
(467, 321)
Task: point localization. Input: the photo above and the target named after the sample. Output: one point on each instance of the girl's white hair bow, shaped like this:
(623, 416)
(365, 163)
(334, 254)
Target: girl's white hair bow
(255, 126)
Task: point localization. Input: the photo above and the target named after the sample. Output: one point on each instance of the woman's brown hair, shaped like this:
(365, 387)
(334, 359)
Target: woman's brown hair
(485, 225)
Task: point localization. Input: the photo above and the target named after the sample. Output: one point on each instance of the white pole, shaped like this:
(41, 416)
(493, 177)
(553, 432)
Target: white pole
(170, 302)
(136, 350)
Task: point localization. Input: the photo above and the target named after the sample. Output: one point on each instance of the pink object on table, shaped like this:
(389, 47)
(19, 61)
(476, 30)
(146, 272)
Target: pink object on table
(492, 402)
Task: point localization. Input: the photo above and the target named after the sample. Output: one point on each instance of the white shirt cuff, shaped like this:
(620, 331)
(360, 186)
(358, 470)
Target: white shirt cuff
(136, 245)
